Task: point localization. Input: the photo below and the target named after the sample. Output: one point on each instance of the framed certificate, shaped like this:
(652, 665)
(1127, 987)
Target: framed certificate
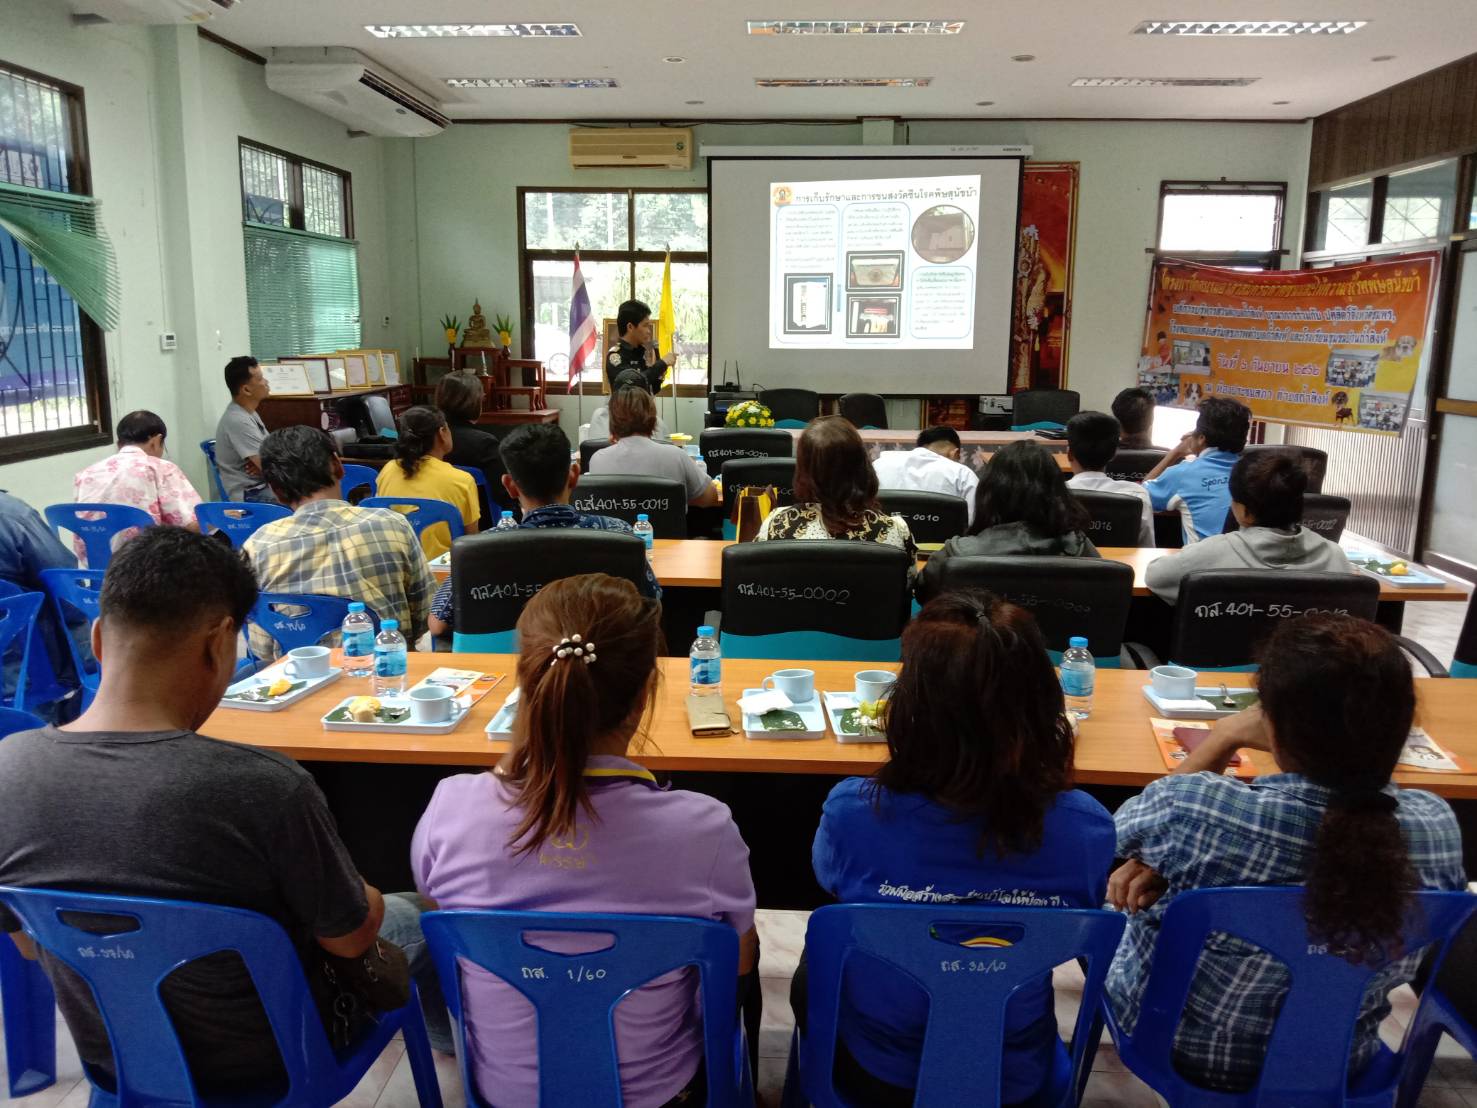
(336, 372)
(317, 373)
(288, 379)
(390, 361)
(374, 367)
(356, 373)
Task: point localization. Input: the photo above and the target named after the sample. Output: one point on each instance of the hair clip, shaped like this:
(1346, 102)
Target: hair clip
(573, 647)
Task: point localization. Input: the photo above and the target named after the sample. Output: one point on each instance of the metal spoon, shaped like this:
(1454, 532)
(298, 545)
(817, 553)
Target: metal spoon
(1227, 701)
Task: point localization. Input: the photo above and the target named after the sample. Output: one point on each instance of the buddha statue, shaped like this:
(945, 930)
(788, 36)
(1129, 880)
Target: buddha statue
(476, 332)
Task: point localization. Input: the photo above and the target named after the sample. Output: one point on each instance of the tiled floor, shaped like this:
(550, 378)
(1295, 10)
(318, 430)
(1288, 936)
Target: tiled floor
(1452, 1084)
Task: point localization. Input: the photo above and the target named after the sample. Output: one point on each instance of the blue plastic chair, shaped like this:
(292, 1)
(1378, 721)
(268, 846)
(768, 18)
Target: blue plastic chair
(78, 590)
(790, 424)
(207, 447)
(1039, 425)
(97, 535)
(357, 477)
(576, 994)
(124, 970)
(305, 620)
(969, 984)
(43, 686)
(237, 520)
(18, 629)
(1307, 1059)
(1435, 1015)
(422, 513)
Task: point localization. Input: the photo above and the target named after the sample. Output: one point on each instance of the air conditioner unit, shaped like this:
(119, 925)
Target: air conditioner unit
(631, 147)
(346, 86)
(150, 11)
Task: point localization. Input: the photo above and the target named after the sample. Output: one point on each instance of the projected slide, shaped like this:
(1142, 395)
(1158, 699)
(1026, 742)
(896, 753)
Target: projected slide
(885, 264)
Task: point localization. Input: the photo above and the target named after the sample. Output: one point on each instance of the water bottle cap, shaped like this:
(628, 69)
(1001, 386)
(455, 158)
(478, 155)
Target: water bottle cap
(1077, 641)
(389, 625)
(507, 514)
(705, 632)
(643, 518)
(356, 606)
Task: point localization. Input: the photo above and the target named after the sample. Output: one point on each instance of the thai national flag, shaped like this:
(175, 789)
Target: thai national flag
(581, 326)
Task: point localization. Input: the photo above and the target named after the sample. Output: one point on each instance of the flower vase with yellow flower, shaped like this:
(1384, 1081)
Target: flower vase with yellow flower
(749, 413)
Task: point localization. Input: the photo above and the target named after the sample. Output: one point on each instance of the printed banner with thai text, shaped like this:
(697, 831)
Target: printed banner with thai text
(1337, 347)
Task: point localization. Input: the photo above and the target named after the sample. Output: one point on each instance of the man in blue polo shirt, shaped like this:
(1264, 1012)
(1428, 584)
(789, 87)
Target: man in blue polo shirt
(1199, 489)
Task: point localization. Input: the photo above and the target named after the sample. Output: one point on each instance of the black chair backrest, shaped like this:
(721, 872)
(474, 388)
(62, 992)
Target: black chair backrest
(1132, 465)
(856, 589)
(588, 449)
(1313, 461)
(779, 472)
(1466, 641)
(931, 516)
(1045, 406)
(720, 444)
(1222, 615)
(1116, 517)
(1323, 513)
(626, 495)
(1068, 596)
(494, 574)
(801, 404)
(863, 409)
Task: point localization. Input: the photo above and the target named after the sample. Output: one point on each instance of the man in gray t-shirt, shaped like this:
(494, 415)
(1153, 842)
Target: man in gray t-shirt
(632, 450)
(130, 800)
(239, 434)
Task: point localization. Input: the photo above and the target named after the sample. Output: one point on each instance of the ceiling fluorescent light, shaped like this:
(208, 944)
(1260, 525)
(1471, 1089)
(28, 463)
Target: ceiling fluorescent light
(855, 26)
(473, 30)
(843, 82)
(532, 82)
(1163, 82)
(1273, 27)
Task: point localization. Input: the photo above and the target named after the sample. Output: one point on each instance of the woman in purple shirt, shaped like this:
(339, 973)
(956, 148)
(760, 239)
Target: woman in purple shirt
(567, 823)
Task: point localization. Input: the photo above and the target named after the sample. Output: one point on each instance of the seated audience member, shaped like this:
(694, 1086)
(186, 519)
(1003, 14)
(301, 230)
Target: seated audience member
(1092, 440)
(1267, 499)
(835, 492)
(129, 799)
(1197, 488)
(931, 466)
(632, 420)
(1022, 506)
(418, 470)
(567, 822)
(1331, 821)
(541, 478)
(27, 546)
(240, 431)
(328, 547)
(1134, 410)
(599, 428)
(460, 396)
(138, 476)
(975, 795)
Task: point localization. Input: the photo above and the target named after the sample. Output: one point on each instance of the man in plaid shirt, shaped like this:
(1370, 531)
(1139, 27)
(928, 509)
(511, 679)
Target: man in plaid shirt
(1199, 828)
(330, 548)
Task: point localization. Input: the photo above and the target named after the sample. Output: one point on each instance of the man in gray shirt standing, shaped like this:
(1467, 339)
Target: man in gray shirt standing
(239, 434)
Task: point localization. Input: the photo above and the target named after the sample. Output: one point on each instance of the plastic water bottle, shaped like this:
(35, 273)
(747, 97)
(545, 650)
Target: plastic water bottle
(705, 662)
(506, 522)
(389, 659)
(646, 533)
(1079, 675)
(358, 641)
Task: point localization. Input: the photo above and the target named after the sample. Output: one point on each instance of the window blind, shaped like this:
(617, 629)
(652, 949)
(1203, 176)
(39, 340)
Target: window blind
(302, 292)
(64, 234)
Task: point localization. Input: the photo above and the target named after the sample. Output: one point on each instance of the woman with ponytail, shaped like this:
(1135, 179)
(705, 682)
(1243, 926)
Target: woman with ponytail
(566, 822)
(419, 471)
(1337, 701)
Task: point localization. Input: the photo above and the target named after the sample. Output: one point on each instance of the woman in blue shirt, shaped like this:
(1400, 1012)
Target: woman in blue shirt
(975, 805)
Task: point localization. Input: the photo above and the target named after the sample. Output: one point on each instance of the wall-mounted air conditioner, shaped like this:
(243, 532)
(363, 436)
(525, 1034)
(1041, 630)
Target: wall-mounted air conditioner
(349, 87)
(150, 11)
(631, 147)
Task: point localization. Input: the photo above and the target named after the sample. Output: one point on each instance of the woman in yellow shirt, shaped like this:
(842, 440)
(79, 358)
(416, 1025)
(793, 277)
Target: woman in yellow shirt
(418, 470)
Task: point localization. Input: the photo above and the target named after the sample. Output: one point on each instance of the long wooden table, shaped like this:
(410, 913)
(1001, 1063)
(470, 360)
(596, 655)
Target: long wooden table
(1114, 746)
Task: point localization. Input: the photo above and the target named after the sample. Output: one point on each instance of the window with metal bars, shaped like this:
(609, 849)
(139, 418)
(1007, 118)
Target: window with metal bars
(1236, 224)
(302, 263)
(53, 376)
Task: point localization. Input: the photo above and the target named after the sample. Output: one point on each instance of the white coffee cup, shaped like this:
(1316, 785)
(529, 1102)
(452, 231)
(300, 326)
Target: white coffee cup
(874, 684)
(430, 704)
(307, 662)
(797, 684)
(1173, 682)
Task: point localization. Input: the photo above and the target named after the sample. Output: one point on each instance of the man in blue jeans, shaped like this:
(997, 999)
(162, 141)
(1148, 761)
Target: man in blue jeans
(1200, 489)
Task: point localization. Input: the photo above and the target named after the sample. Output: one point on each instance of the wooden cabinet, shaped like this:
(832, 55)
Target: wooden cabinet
(321, 410)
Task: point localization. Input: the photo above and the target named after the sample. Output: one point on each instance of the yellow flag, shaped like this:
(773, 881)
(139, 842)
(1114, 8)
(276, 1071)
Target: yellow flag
(667, 316)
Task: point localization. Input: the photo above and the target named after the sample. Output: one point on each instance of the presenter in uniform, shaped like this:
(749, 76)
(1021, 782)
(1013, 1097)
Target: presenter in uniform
(635, 349)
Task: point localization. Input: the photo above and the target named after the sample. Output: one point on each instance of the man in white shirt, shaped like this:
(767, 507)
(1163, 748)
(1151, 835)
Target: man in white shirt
(931, 466)
(1092, 440)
